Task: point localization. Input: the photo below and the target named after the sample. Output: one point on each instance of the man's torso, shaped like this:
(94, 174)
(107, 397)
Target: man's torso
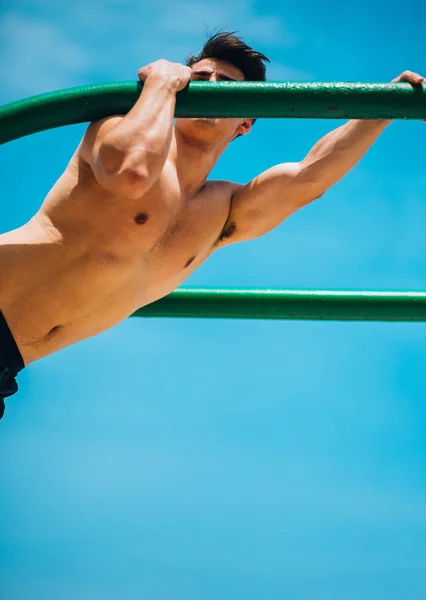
(89, 259)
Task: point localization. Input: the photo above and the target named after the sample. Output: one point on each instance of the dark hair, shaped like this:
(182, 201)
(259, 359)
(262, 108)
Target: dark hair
(227, 46)
(230, 48)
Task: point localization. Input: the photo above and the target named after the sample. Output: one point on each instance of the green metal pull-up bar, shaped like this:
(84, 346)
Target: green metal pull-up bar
(224, 99)
(245, 99)
(289, 304)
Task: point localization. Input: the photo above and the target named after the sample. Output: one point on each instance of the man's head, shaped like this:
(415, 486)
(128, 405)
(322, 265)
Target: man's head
(224, 57)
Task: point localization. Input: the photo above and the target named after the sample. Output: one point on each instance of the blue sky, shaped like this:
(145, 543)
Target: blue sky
(171, 459)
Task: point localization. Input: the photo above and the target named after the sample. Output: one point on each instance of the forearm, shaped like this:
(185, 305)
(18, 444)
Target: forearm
(140, 143)
(338, 152)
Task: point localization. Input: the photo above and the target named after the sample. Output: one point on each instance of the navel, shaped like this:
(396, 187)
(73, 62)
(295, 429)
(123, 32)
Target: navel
(141, 218)
(189, 262)
(53, 331)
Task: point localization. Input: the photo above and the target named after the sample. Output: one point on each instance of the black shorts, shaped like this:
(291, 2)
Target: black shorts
(10, 363)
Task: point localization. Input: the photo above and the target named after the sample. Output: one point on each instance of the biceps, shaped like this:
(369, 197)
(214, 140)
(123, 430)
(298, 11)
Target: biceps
(266, 201)
(93, 138)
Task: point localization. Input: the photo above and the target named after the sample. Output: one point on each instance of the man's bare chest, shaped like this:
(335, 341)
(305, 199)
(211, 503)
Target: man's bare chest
(169, 230)
(94, 258)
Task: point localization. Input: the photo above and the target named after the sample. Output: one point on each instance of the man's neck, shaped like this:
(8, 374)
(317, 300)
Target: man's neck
(193, 161)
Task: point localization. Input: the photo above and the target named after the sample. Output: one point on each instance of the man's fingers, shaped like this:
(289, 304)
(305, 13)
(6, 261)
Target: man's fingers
(414, 77)
(410, 77)
(142, 74)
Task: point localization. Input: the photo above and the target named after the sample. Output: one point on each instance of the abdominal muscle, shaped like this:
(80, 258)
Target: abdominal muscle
(82, 265)
(52, 297)
(57, 289)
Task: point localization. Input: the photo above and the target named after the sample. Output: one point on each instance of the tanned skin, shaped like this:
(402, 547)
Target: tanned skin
(133, 215)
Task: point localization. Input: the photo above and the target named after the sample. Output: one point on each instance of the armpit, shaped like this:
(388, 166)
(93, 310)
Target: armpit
(228, 231)
(230, 226)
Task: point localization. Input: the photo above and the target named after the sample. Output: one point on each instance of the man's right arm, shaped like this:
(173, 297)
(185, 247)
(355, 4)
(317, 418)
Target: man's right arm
(127, 154)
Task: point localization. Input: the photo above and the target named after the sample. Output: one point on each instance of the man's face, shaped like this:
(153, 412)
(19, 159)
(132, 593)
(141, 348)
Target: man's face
(211, 129)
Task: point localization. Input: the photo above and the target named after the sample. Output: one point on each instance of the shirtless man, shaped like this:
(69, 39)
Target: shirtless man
(133, 214)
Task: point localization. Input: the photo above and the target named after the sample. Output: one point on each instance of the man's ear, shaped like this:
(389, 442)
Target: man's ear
(245, 126)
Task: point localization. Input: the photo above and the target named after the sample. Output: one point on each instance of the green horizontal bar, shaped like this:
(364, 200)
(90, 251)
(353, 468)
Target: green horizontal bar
(223, 99)
(311, 305)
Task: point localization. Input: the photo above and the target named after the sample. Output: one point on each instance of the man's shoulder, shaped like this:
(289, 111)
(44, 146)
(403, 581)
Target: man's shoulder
(223, 186)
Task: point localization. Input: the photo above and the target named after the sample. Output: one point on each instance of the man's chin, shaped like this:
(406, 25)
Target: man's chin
(204, 120)
(198, 127)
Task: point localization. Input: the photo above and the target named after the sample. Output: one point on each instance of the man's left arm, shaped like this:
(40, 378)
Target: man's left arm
(271, 197)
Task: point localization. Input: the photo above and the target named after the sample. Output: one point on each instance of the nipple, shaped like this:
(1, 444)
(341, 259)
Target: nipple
(141, 218)
(190, 261)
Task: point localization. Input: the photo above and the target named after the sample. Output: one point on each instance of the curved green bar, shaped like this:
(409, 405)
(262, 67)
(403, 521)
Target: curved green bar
(315, 305)
(222, 99)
